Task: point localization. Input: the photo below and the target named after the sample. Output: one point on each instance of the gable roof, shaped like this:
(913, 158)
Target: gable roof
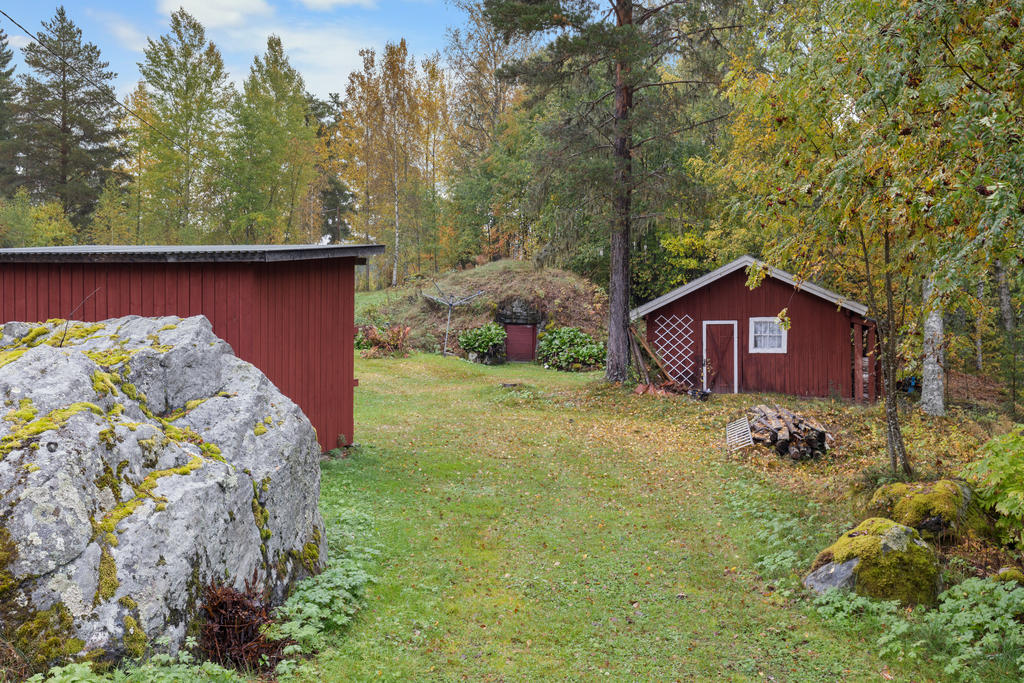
(744, 262)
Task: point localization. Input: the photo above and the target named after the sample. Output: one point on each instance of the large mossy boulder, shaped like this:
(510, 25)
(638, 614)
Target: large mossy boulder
(880, 559)
(941, 511)
(140, 460)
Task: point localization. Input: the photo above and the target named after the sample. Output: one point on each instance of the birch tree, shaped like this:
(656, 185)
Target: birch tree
(271, 155)
(189, 94)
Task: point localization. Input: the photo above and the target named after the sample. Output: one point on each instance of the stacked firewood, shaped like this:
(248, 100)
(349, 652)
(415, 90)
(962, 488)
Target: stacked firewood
(798, 436)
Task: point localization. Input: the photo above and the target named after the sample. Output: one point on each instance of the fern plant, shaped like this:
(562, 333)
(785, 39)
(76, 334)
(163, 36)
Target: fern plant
(999, 482)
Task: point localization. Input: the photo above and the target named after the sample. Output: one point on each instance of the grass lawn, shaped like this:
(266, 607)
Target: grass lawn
(565, 530)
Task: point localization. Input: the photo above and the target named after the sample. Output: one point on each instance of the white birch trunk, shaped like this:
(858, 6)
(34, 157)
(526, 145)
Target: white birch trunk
(933, 400)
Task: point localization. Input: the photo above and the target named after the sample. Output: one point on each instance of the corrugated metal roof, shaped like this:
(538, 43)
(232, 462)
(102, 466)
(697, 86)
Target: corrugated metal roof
(744, 262)
(245, 253)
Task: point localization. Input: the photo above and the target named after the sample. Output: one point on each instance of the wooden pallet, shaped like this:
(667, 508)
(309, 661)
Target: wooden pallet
(737, 435)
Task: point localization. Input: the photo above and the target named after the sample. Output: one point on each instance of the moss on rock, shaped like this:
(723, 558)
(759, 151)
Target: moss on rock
(107, 584)
(893, 562)
(104, 383)
(135, 639)
(1010, 574)
(8, 555)
(26, 412)
(941, 510)
(18, 437)
(45, 639)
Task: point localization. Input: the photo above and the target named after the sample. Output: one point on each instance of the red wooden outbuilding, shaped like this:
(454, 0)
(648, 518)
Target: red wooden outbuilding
(717, 334)
(287, 309)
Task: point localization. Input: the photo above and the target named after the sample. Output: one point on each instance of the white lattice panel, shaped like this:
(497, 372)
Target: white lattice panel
(676, 343)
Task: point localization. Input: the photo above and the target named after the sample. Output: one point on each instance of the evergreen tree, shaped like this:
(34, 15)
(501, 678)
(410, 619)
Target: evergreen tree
(8, 93)
(337, 201)
(189, 95)
(611, 64)
(65, 122)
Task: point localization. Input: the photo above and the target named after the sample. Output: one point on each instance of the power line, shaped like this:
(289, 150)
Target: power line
(93, 83)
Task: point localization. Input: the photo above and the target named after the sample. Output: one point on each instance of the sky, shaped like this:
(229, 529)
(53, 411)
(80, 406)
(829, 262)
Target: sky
(322, 37)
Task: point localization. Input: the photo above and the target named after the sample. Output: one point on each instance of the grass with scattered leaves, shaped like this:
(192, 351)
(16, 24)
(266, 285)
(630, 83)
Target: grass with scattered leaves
(563, 529)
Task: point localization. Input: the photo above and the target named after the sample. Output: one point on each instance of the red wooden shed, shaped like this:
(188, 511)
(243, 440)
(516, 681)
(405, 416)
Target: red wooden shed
(716, 333)
(287, 309)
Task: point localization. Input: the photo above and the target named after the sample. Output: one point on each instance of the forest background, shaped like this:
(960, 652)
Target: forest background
(872, 147)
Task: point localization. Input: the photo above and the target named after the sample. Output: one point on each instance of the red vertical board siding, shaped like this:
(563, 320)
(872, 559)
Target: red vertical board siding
(819, 350)
(293, 320)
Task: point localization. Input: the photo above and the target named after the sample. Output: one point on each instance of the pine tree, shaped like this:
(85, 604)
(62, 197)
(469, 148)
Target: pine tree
(8, 95)
(189, 95)
(65, 121)
(610, 63)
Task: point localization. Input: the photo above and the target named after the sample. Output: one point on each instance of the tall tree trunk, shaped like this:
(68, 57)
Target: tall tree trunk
(394, 267)
(617, 360)
(932, 375)
(1005, 302)
(887, 328)
(1010, 328)
(979, 324)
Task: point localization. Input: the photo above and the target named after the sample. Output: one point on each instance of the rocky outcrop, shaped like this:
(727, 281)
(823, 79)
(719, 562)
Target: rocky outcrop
(139, 461)
(880, 559)
(941, 511)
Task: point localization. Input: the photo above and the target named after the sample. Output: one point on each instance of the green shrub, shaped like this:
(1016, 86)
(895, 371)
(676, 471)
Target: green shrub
(322, 605)
(361, 342)
(978, 620)
(160, 668)
(999, 482)
(974, 632)
(481, 339)
(569, 348)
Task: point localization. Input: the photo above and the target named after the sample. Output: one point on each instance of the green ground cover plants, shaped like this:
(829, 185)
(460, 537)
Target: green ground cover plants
(562, 529)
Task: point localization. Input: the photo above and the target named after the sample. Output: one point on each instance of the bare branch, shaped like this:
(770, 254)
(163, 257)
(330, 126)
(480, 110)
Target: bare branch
(681, 129)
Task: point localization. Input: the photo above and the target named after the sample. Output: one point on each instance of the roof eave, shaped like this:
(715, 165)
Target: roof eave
(144, 255)
(733, 266)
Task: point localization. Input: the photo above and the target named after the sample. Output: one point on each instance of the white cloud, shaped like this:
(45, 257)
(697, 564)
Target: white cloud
(326, 5)
(324, 54)
(126, 33)
(219, 13)
(18, 40)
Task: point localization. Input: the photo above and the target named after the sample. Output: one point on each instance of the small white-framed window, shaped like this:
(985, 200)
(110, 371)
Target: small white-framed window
(767, 335)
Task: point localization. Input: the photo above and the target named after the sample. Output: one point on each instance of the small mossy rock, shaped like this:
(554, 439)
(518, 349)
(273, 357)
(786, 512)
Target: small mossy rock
(122, 499)
(944, 510)
(880, 559)
(1010, 574)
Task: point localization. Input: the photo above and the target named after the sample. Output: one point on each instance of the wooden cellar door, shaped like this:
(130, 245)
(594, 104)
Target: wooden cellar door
(521, 342)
